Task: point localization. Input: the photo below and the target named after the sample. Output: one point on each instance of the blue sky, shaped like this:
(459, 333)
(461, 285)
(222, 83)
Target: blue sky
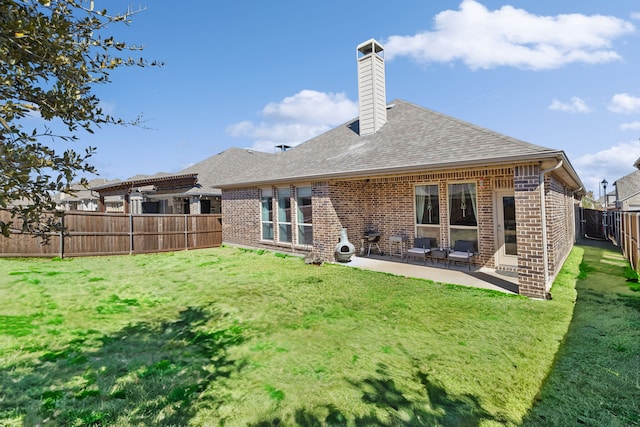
(562, 74)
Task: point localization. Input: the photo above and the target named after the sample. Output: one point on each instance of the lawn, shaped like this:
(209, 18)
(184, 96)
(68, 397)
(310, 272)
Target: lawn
(596, 380)
(233, 337)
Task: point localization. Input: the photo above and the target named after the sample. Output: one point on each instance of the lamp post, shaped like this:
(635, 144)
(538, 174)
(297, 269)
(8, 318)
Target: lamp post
(604, 214)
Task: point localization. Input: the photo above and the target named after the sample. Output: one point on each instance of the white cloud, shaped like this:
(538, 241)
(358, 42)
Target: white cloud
(296, 119)
(611, 164)
(624, 103)
(577, 105)
(511, 37)
(630, 126)
(635, 16)
(310, 106)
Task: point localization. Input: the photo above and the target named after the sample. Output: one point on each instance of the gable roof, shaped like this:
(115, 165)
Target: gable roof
(413, 139)
(628, 186)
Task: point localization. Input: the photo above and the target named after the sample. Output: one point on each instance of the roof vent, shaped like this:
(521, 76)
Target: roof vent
(282, 147)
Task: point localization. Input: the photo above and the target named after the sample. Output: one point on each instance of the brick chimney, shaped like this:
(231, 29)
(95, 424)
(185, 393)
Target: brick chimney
(371, 87)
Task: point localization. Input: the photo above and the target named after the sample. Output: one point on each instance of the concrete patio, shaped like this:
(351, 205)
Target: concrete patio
(478, 277)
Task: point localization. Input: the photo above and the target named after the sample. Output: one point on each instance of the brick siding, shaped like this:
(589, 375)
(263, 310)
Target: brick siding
(387, 205)
(529, 231)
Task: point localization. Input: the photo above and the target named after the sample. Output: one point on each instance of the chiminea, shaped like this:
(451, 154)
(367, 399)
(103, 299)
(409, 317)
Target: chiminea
(344, 248)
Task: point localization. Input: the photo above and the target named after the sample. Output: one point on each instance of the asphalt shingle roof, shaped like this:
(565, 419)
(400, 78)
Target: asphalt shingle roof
(228, 163)
(413, 138)
(628, 186)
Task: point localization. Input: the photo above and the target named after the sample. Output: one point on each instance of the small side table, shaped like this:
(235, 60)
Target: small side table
(398, 246)
(439, 255)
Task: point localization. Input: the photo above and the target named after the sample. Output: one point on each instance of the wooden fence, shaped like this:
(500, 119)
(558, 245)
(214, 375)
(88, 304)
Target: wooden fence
(93, 233)
(624, 229)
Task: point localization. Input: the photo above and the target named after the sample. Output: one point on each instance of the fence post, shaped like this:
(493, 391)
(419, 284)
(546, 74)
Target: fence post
(62, 236)
(130, 233)
(186, 231)
(160, 231)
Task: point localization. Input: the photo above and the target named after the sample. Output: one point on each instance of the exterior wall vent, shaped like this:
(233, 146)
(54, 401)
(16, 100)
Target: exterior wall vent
(371, 87)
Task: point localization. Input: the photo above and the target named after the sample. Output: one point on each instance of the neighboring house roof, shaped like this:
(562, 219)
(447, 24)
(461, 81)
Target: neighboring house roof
(230, 162)
(161, 180)
(80, 192)
(628, 186)
(413, 139)
(610, 198)
(183, 183)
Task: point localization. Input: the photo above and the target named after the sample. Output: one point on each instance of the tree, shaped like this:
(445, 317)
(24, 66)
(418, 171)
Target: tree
(588, 202)
(53, 53)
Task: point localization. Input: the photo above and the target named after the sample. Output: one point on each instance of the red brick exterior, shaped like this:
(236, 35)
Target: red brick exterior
(387, 205)
(529, 231)
(560, 223)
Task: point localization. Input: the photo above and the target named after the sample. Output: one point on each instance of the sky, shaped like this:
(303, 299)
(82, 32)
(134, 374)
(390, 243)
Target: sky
(564, 74)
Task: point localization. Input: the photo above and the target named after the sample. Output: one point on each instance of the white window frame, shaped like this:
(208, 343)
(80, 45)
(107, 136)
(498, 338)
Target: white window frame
(300, 224)
(266, 193)
(435, 227)
(463, 227)
(284, 223)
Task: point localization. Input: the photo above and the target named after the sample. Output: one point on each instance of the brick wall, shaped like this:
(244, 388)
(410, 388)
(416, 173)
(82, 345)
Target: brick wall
(560, 223)
(529, 231)
(337, 206)
(387, 205)
(241, 216)
(559, 207)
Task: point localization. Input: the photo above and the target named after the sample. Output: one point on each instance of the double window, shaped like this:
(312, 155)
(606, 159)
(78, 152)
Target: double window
(462, 208)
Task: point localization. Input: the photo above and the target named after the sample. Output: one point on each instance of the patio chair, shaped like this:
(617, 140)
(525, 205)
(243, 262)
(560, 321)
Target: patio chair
(462, 251)
(373, 237)
(421, 247)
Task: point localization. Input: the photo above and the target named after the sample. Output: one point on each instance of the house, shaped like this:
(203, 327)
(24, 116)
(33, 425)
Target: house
(627, 193)
(160, 193)
(81, 198)
(407, 171)
(190, 191)
(212, 169)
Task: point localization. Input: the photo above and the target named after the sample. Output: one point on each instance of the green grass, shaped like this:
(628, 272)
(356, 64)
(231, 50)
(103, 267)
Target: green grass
(596, 380)
(237, 337)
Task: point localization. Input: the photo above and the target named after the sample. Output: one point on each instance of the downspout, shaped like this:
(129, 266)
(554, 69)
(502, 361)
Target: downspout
(573, 215)
(543, 214)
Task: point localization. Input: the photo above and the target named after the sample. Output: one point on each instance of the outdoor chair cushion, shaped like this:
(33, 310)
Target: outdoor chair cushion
(421, 247)
(463, 251)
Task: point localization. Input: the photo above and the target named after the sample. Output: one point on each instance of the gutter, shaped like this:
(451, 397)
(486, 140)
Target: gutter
(543, 215)
(366, 173)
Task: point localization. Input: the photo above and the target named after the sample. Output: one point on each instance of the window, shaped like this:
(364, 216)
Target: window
(303, 202)
(463, 213)
(428, 213)
(284, 215)
(266, 200)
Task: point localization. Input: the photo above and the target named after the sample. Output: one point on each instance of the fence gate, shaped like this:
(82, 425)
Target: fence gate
(593, 223)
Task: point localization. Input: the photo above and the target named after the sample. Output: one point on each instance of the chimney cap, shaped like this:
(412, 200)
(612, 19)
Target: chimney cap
(370, 46)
